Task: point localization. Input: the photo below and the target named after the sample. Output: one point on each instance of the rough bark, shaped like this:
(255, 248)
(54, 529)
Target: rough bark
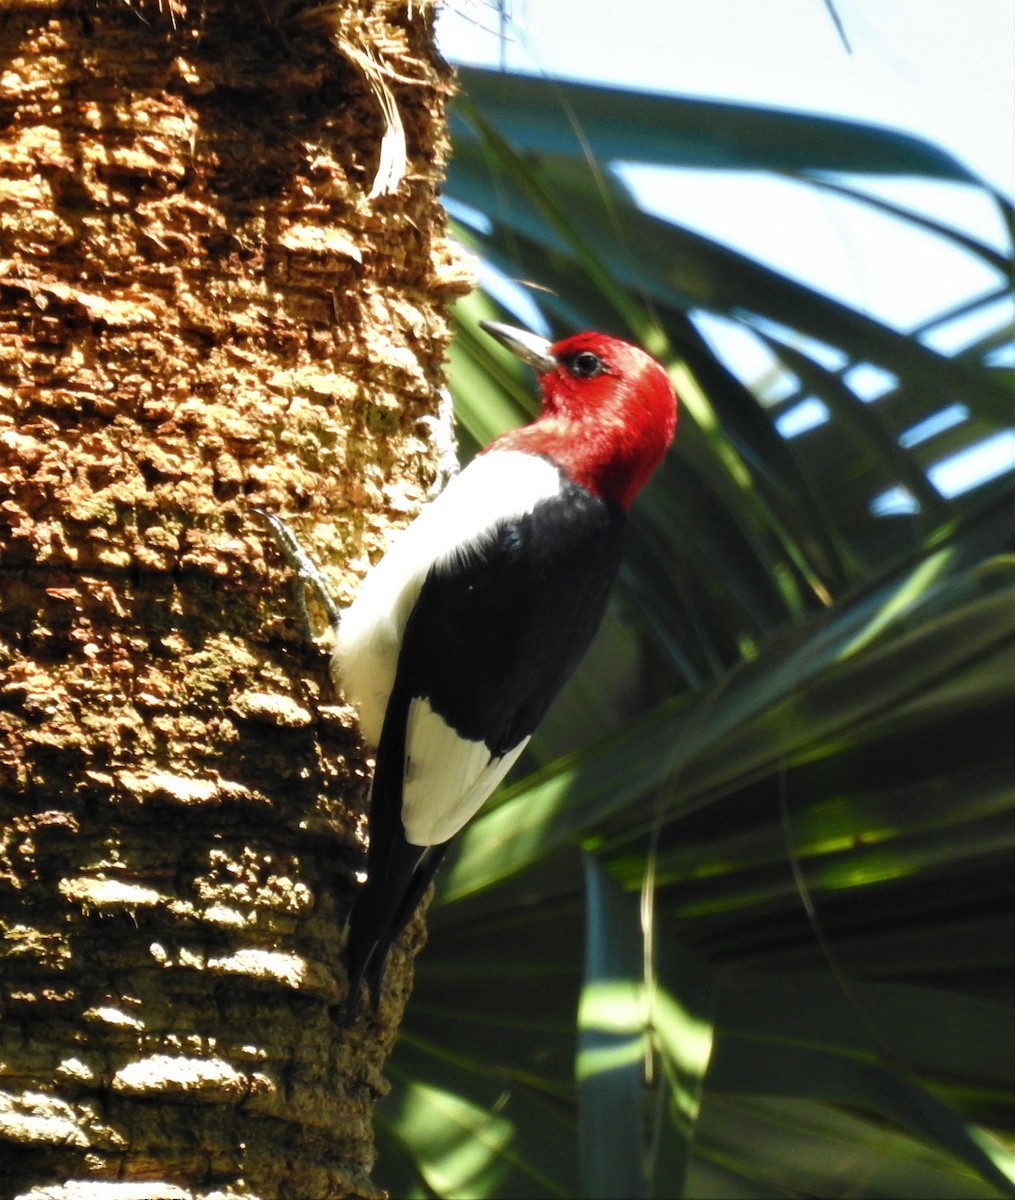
(203, 311)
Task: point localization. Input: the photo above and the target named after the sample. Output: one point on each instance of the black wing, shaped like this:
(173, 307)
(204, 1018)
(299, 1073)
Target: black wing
(489, 644)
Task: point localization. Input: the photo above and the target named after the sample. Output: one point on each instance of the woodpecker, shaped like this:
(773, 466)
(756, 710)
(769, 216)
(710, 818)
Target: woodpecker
(467, 628)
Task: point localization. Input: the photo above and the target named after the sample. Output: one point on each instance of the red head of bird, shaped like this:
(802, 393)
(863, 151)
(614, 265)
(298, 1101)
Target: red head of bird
(608, 415)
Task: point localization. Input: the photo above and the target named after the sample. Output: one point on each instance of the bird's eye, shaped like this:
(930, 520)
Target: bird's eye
(585, 364)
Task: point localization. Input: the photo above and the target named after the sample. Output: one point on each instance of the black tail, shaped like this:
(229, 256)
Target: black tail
(381, 911)
(398, 873)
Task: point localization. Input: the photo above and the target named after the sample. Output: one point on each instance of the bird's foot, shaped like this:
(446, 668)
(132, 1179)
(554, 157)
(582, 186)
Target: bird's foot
(307, 574)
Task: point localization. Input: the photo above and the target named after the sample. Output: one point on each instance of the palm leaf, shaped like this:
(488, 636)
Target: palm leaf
(799, 774)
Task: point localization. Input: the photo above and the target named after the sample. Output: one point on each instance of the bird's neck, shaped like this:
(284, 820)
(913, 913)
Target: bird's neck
(608, 459)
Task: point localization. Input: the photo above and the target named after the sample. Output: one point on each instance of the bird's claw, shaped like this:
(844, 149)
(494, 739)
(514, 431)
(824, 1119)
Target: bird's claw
(307, 574)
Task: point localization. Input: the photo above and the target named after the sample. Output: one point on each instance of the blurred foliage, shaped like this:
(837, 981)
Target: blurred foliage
(745, 927)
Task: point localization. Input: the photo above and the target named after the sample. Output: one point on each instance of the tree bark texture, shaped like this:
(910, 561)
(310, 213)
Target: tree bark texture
(211, 301)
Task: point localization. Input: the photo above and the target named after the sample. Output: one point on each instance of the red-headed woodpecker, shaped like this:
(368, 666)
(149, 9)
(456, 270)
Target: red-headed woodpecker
(467, 628)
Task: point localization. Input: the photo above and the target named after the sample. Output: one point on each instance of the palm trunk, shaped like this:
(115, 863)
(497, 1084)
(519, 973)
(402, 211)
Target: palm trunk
(211, 303)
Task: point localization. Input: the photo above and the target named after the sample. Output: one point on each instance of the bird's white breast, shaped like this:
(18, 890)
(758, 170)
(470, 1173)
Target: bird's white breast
(499, 485)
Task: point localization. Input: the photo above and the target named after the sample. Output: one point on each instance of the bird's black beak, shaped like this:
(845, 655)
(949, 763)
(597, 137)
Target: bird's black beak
(530, 348)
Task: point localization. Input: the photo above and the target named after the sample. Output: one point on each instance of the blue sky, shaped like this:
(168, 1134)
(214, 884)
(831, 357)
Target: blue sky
(940, 69)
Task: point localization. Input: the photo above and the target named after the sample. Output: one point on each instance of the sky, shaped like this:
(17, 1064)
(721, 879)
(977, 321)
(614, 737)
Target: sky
(943, 70)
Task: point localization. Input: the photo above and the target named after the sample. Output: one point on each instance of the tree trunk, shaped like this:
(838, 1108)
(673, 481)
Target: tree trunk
(213, 301)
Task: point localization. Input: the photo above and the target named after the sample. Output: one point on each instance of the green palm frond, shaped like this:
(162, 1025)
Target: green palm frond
(745, 926)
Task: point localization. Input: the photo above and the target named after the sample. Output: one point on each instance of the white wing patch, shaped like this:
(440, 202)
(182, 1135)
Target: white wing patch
(494, 486)
(447, 777)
